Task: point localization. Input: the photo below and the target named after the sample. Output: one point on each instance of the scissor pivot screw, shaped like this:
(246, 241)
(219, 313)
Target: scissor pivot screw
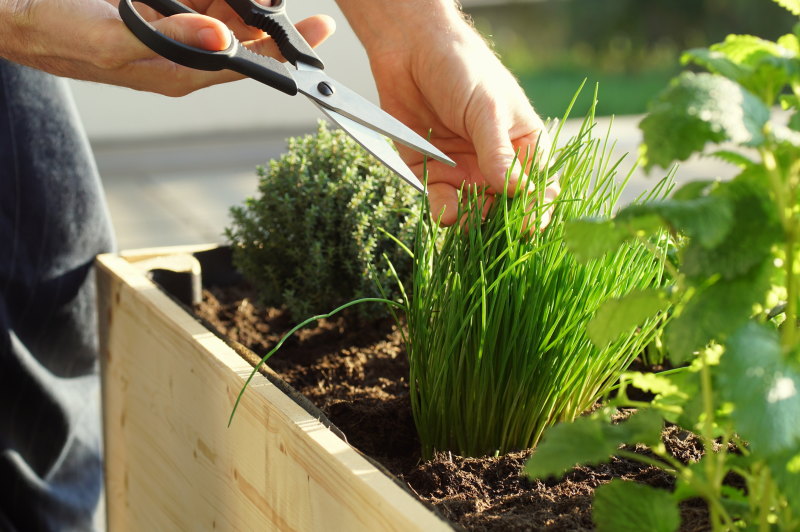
(324, 88)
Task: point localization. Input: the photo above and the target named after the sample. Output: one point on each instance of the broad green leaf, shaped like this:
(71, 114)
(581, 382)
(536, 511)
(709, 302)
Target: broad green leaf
(754, 230)
(764, 67)
(792, 6)
(715, 62)
(764, 390)
(747, 49)
(589, 239)
(624, 506)
(590, 440)
(697, 109)
(619, 316)
(707, 219)
(715, 312)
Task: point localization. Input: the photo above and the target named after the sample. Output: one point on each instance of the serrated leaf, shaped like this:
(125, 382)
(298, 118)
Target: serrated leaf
(652, 383)
(734, 158)
(734, 500)
(715, 312)
(673, 393)
(697, 109)
(764, 390)
(624, 506)
(589, 440)
(793, 6)
(619, 316)
(693, 189)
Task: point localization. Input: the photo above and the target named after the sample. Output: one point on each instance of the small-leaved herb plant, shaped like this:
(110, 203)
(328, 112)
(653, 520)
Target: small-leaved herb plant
(734, 302)
(317, 233)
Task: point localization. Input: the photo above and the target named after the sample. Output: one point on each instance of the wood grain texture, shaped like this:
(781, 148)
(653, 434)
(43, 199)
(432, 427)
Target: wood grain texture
(173, 464)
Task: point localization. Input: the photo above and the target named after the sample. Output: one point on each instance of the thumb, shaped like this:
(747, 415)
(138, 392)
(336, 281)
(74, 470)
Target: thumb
(195, 30)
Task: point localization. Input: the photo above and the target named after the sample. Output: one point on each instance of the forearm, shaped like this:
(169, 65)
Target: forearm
(387, 24)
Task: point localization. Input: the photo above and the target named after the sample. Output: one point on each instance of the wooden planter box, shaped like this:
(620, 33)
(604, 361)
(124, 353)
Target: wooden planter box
(171, 461)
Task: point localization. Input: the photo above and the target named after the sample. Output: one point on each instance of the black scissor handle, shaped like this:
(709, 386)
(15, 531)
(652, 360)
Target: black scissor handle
(236, 57)
(275, 22)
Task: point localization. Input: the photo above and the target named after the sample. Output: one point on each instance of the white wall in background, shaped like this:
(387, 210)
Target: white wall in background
(113, 113)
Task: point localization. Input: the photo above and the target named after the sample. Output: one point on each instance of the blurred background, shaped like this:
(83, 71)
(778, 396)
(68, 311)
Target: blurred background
(630, 47)
(173, 167)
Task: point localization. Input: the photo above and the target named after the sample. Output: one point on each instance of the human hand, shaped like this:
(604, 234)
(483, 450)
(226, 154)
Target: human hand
(86, 39)
(443, 77)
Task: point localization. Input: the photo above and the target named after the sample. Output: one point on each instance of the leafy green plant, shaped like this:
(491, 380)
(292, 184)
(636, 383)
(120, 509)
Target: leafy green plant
(316, 234)
(497, 314)
(734, 297)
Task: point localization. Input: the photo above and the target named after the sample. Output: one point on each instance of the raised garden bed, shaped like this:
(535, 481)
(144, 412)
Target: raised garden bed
(173, 464)
(170, 383)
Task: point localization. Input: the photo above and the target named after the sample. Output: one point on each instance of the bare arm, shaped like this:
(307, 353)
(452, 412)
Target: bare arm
(434, 71)
(85, 39)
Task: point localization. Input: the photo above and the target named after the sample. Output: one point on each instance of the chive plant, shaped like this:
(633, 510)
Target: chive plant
(497, 313)
(499, 316)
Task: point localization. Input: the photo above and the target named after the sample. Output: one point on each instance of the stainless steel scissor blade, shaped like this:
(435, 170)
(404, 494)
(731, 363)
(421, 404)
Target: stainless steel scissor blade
(376, 144)
(332, 95)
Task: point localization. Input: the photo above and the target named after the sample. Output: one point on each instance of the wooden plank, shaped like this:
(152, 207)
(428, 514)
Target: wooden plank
(173, 464)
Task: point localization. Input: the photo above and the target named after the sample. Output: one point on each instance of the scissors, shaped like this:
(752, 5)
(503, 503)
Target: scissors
(362, 120)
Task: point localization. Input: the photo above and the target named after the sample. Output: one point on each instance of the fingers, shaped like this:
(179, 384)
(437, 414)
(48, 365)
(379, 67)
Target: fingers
(211, 34)
(443, 201)
(194, 30)
(496, 153)
(121, 59)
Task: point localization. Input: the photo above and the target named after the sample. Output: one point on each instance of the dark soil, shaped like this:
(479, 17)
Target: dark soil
(358, 377)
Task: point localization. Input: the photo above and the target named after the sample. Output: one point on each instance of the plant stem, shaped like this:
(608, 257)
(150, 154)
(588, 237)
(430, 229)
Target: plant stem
(707, 435)
(781, 190)
(789, 329)
(765, 502)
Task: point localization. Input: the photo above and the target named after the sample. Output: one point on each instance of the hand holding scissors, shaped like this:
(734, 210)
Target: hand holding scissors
(361, 119)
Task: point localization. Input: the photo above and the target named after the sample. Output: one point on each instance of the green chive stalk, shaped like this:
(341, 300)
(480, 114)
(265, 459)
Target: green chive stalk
(497, 312)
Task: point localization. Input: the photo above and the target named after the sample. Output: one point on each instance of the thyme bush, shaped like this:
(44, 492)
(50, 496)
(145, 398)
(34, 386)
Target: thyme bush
(499, 316)
(316, 235)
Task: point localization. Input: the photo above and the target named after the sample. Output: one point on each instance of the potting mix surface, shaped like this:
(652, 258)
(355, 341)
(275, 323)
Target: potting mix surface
(358, 376)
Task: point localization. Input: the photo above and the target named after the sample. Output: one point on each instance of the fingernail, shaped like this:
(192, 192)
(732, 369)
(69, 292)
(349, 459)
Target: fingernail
(210, 39)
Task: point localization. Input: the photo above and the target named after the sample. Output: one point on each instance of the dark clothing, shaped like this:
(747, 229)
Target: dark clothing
(53, 221)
